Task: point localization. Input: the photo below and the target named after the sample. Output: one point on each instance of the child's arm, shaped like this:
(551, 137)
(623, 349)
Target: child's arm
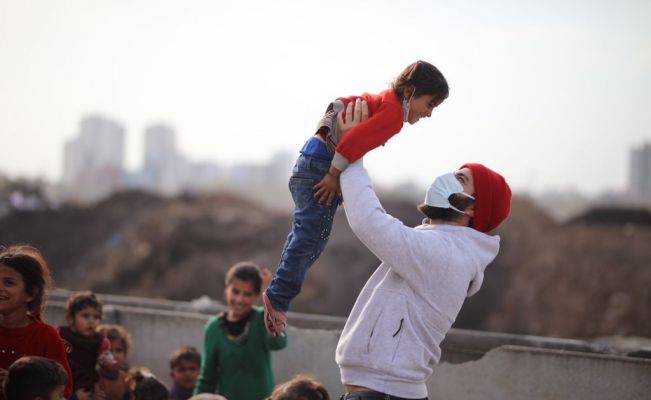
(267, 276)
(57, 352)
(115, 389)
(3, 376)
(275, 342)
(365, 136)
(328, 188)
(207, 381)
(107, 366)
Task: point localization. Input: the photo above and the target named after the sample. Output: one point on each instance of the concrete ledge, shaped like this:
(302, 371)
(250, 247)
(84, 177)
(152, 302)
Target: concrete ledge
(204, 306)
(475, 365)
(516, 372)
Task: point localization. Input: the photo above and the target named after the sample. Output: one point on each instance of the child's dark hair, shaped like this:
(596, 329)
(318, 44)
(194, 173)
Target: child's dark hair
(79, 300)
(300, 387)
(184, 353)
(30, 264)
(117, 332)
(447, 214)
(145, 386)
(31, 377)
(245, 271)
(426, 79)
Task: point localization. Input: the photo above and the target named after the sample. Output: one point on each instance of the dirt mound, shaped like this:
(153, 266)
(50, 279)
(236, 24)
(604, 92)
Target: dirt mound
(549, 279)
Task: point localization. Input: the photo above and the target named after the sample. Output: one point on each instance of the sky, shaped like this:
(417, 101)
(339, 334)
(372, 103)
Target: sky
(552, 94)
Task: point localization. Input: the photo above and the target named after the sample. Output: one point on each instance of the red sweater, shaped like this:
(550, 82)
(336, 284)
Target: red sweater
(36, 339)
(385, 120)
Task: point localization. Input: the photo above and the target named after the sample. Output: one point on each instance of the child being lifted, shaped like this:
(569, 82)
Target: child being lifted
(314, 184)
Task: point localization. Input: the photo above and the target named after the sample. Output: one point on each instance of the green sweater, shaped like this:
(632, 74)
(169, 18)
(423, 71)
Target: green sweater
(238, 368)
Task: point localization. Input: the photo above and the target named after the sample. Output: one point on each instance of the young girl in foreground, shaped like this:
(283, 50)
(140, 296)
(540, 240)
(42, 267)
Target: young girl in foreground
(24, 279)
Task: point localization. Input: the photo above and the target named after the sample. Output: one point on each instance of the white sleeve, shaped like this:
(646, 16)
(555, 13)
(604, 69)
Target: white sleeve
(387, 237)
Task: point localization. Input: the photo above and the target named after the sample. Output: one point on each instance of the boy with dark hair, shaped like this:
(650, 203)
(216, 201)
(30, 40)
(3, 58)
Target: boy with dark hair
(236, 360)
(146, 386)
(35, 378)
(184, 371)
(300, 387)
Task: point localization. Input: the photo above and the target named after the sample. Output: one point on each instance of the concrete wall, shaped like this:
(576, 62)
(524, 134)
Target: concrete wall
(476, 365)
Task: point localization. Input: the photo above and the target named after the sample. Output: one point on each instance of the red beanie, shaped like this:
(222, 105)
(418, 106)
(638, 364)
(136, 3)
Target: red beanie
(492, 198)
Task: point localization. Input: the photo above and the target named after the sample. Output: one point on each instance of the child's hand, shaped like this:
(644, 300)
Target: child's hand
(327, 189)
(84, 394)
(353, 117)
(266, 278)
(106, 361)
(98, 393)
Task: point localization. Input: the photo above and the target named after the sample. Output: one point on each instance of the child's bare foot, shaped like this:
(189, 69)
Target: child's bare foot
(275, 321)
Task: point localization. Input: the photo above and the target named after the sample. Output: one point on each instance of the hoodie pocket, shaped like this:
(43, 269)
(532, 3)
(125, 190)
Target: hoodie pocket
(388, 330)
(370, 335)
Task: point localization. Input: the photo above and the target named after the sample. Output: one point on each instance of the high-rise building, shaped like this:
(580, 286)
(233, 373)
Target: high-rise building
(640, 171)
(93, 163)
(164, 167)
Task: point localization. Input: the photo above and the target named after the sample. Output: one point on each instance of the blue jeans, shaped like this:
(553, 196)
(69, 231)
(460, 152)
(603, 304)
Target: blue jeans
(309, 235)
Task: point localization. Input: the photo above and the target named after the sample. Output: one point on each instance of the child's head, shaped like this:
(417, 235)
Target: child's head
(300, 387)
(184, 366)
(145, 386)
(120, 339)
(24, 279)
(83, 312)
(31, 378)
(243, 285)
(421, 87)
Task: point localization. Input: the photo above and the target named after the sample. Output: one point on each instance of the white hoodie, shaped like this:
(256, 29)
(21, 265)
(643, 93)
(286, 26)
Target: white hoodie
(391, 339)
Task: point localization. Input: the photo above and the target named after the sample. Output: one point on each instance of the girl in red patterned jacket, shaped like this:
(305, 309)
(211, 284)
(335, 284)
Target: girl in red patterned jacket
(314, 183)
(24, 279)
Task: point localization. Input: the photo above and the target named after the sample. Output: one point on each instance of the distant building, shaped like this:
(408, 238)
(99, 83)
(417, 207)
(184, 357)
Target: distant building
(164, 167)
(94, 167)
(93, 162)
(640, 171)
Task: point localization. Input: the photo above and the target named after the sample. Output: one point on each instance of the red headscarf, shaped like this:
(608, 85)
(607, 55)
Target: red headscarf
(492, 198)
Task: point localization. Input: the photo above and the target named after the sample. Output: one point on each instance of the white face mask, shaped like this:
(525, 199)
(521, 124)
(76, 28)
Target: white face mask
(441, 189)
(405, 107)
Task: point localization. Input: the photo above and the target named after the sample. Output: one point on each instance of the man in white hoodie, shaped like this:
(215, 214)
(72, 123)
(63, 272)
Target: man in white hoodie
(391, 339)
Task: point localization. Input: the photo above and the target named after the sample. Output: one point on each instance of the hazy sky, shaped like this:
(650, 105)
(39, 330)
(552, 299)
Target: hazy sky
(553, 94)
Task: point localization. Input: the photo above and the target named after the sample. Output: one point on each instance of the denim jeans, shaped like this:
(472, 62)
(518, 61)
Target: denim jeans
(310, 231)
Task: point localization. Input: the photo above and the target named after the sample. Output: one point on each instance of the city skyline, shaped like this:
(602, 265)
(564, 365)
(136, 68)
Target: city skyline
(94, 168)
(552, 95)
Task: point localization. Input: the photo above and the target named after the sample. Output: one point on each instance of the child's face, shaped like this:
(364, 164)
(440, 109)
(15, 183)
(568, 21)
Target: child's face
(422, 106)
(119, 351)
(13, 297)
(85, 321)
(240, 296)
(56, 394)
(185, 374)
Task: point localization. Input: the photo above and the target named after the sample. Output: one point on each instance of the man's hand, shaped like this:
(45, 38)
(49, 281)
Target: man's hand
(353, 116)
(328, 188)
